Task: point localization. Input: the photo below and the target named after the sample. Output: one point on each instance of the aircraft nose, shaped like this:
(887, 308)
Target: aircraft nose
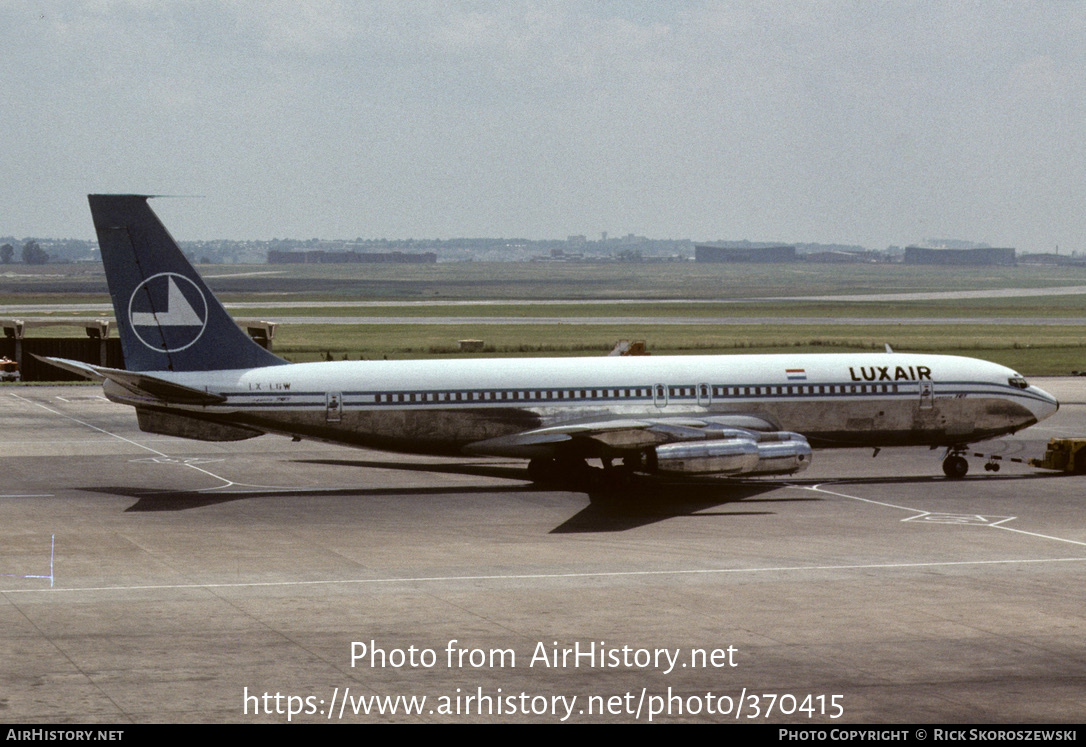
(1045, 405)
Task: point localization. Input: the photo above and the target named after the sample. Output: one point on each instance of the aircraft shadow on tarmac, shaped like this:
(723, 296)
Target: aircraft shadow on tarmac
(640, 503)
(149, 500)
(654, 500)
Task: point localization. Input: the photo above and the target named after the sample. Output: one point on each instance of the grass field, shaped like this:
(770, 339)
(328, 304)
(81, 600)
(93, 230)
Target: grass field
(1015, 336)
(542, 280)
(1050, 350)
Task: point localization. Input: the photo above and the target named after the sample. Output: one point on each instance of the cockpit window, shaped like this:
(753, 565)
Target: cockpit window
(1018, 381)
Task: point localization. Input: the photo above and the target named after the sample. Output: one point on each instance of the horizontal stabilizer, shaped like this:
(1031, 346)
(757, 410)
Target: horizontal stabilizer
(140, 384)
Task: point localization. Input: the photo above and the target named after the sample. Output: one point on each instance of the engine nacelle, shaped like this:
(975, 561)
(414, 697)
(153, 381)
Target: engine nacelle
(786, 456)
(741, 453)
(726, 456)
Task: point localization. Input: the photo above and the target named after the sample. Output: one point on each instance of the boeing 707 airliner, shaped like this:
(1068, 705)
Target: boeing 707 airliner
(192, 372)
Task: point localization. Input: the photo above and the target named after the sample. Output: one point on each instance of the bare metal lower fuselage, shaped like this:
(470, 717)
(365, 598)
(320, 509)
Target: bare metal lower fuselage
(447, 406)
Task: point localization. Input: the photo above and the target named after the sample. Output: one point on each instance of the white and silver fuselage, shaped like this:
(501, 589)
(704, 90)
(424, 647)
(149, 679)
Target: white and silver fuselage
(441, 406)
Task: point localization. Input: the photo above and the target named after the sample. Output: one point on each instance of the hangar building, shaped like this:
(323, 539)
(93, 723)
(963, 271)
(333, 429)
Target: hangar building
(709, 253)
(915, 255)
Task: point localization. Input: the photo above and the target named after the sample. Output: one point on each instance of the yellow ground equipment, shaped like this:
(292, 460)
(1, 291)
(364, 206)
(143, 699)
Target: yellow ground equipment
(1064, 454)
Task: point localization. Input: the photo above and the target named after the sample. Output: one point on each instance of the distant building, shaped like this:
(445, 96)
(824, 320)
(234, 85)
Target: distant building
(915, 255)
(951, 244)
(321, 257)
(709, 253)
(559, 255)
(1062, 260)
(835, 257)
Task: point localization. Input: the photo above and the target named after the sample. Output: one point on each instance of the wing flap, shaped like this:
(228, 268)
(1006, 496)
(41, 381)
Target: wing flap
(623, 434)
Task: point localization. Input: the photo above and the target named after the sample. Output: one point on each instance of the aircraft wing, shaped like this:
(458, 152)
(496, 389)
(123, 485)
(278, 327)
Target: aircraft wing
(621, 434)
(718, 444)
(140, 384)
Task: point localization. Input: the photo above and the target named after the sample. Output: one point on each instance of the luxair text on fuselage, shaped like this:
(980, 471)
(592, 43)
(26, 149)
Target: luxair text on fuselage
(890, 373)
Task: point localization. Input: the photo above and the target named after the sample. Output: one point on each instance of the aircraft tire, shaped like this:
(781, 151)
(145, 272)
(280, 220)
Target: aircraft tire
(542, 470)
(566, 472)
(955, 467)
(618, 477)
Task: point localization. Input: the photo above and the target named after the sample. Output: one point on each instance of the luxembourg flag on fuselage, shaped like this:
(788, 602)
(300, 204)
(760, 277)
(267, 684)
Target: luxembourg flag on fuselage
(796, 374)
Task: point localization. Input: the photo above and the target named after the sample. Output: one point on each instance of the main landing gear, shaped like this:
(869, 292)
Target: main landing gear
(955, 465)
(576, 474)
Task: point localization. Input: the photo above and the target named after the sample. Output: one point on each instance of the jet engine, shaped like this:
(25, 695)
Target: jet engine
(738, 453)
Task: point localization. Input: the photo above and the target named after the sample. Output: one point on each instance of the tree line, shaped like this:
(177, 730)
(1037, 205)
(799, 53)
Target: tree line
(32, 254)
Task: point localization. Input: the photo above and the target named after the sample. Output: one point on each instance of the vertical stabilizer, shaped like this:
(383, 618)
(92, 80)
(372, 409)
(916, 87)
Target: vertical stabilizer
(168, 318)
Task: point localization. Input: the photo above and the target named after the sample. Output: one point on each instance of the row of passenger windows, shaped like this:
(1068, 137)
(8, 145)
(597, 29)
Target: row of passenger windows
(804, 389)
(700, 393)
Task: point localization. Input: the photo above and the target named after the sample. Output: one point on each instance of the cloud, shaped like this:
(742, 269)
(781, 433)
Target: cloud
(871, 123)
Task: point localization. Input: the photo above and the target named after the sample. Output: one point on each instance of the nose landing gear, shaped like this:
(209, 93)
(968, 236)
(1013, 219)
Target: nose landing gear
(955, 466)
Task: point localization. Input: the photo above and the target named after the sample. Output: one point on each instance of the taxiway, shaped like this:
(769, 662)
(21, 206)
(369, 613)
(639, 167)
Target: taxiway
(150, 579)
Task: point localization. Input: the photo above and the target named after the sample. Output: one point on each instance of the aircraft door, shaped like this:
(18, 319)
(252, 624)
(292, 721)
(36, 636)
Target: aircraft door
(333, 407)
(705, 395)
(927, 395)
(659, 395)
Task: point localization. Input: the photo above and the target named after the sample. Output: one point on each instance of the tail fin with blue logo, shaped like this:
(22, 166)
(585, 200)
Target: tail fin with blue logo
(167, 316)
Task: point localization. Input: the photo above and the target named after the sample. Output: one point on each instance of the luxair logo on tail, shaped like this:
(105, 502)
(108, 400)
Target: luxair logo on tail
(168, 312)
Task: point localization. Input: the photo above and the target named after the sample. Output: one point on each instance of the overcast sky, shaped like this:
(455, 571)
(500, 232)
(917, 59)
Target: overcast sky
(873, 123)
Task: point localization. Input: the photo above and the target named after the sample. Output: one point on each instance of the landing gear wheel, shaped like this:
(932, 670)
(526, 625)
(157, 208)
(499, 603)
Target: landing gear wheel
(542, 471)
(955, 467)
(617, 477)
(568, 473)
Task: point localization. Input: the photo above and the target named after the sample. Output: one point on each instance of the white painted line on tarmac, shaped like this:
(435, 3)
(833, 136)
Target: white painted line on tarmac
(226, 483)
(88, 425)
(820, 489)
(999, 525)
(545, 576)
(52, 557)
(920, 514)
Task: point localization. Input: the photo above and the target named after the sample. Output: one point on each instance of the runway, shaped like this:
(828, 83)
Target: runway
(954, 295)
(150, 579)
(661, 321)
